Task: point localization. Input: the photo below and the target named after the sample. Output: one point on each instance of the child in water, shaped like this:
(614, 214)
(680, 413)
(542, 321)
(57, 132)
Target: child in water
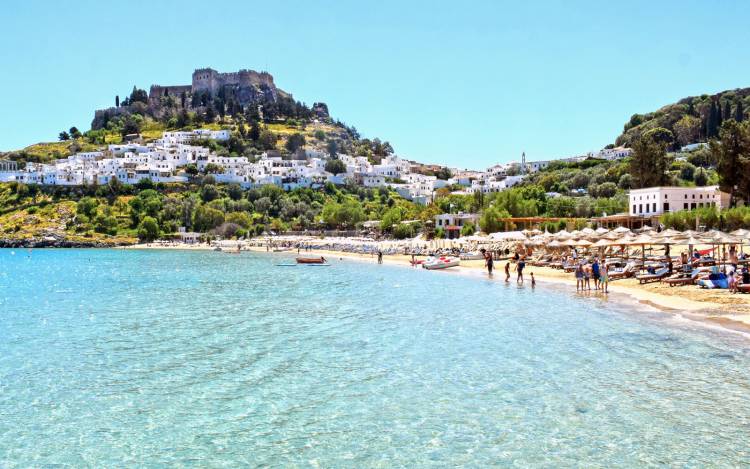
(507, 271)
(533, 280)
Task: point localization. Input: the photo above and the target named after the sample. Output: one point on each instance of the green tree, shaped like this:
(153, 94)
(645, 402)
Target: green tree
(701, 177)
(468, 229)
(392, 216)
(213, 168)
(63, 136)
(75, 133)
(490, 222)
(267, 139)
(335, 166)
(739, 112)
(138, 95)
(234, 191)
(332, 148)
(87, 206)
(209, 192)
(191, 169)
(148, 229)
(687, 171)
(712, 121)
(294, 142)
(732, 152)
(240, 218)
(254, 133)
(648, 164)
(207, 218)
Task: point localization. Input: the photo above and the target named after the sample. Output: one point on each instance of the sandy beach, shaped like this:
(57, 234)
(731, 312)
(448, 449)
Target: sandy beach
(731, 311)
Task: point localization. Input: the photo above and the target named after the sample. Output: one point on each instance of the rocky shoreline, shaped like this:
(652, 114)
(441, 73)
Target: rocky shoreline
(55, 243)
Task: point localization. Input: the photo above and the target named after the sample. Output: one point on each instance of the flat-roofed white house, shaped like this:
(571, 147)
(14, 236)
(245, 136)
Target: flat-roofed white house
(453, 222)
(654, 201)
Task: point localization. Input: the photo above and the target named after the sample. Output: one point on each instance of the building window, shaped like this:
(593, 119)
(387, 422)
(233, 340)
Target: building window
(666, 206)
(685, 206)
(640, 208)
(654, 207)
(634, 208)
(692, 206)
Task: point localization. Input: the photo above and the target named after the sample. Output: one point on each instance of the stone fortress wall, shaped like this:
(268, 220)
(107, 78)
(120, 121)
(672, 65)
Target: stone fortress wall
(208, 79)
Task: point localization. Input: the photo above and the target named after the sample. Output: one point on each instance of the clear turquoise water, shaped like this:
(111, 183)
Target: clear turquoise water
(132, 359)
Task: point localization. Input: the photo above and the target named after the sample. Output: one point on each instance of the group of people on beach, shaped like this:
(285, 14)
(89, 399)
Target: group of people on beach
(520, 265)
(597, 271)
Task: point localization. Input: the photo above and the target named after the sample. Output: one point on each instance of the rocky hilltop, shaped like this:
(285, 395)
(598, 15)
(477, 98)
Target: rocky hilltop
(209, 91)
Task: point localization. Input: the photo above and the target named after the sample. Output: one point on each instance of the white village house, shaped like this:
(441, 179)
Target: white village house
(654, 201)
(452, 223)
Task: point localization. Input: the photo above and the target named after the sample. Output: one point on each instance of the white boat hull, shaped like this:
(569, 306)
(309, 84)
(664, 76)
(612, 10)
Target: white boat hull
(442, 263)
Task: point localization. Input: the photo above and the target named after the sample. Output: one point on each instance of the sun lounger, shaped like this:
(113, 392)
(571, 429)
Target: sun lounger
(677, 281)
(714, 281)
(627, 272)
(743, 288)
(655, 277)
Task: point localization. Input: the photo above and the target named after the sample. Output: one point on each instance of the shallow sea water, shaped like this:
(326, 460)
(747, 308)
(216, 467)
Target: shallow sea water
(113, 358)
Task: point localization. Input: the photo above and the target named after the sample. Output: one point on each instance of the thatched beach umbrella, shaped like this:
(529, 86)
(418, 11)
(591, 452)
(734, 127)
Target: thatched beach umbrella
(642, 240)
(602, 244)
(554, 244)
(668, 233)
(621, 229)
(601, 231)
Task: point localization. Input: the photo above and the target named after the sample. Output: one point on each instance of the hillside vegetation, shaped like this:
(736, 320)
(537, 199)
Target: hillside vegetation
(692, 119)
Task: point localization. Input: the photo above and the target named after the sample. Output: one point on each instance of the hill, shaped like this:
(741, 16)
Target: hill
(692, 119)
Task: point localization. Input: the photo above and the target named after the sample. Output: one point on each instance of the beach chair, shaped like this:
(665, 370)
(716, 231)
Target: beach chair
(626, 272)
(743, 288)
(683, 278)
(655, 277)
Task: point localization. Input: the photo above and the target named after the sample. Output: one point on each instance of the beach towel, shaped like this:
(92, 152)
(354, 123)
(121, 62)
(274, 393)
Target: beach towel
(715, 281)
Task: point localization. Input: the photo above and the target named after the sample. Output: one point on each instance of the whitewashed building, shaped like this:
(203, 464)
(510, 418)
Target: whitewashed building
(654, 201)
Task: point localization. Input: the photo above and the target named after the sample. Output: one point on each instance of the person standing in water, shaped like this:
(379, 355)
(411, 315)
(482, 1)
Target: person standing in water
(579, 277)
(519, 268)
(380, 257)
(488, 262)
(595, 273)
(533, 280)
(507, 271)
(604, 277)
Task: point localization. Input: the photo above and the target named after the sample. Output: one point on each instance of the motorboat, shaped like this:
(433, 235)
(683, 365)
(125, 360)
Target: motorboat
(443, 262)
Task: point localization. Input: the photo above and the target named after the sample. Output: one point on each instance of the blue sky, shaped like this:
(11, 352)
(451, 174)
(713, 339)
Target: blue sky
(460, 83)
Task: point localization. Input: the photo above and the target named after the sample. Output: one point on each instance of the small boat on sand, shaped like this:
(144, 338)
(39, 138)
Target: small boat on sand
(442, 262)
(311, 260)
